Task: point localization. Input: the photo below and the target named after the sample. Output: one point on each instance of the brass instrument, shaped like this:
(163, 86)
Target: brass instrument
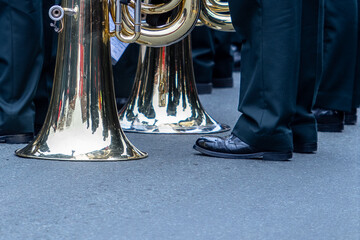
(187, 14)
(164, 97)
(82, 122)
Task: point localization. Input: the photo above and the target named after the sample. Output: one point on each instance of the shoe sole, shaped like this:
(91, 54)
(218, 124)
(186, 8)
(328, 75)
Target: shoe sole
(267, 156)
(16, 139)
(305, 148)
(335, 127)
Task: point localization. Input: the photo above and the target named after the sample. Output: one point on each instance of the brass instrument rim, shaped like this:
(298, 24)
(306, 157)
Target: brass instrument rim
(145, 155)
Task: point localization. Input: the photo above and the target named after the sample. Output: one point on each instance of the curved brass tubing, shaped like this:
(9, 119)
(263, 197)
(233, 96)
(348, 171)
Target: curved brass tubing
(215, 20)
(218, 6)
(157, 8)
(167, 34)
(132, 35)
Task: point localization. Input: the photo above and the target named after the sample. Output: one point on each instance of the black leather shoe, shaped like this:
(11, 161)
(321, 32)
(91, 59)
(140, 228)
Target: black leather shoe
(232, 147)
(329, 120)
(16, 138)
(351, 117)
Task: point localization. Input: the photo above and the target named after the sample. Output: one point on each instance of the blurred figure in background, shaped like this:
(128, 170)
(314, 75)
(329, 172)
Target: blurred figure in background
(351, 118)
(21, 61)
(212, 58)
(236, 51)
(124, 74)
(338, 95)
(203, 58)
(43, 93)
(223, 59)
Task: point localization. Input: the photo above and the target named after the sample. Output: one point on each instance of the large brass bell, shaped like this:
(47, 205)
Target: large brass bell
(82, 122)
(164, 97)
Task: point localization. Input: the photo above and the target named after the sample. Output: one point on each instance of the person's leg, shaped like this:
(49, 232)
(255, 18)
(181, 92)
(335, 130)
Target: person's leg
(351, 117)
(21, 59)
(340, 41)
(236, 51)
(270, 35)
(224, 60)
(203, 58)
(43, 93)
(356, 94)
(304, 123)
(269, 71)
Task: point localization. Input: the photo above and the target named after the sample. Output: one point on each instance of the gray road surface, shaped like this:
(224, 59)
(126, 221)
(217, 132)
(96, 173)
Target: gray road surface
(178, 194)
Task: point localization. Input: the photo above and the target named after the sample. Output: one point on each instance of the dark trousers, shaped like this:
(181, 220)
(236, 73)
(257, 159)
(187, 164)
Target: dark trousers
(280, 71)
(203, 53)
(21, 59)
(125, 70)
(211, 53)
(224, 60)
(43, 92)
(356, 92)
(340, 46)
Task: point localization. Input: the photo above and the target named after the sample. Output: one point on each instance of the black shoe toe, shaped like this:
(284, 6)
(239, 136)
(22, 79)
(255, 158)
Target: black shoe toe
(232, 147)
(329, 120)
(212, 143)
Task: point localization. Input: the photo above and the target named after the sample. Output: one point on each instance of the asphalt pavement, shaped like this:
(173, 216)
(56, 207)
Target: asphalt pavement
(177, 193)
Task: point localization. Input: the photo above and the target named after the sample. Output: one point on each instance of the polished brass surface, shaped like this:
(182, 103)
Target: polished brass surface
(173, 31)
(157, 8)
(82, 122)
(216, 15)
(213, 13)
(218, 6)
(131, 35)
(164, 97)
